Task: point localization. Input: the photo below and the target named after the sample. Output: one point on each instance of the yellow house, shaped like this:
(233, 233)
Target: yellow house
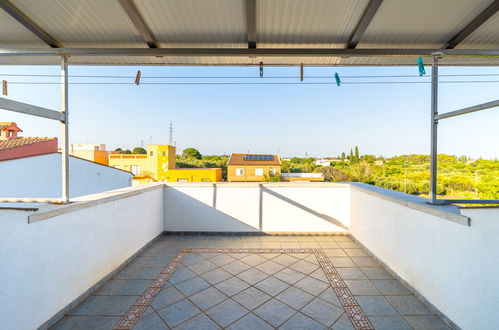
(159, 164)
(194, 175)
(94, 152)
(252, 168)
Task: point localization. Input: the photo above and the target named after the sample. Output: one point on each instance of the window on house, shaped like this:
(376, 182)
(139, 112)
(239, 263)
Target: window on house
(239, 171)
(258, 171)
(164, 153)
(150, 153)
(273, 171)
(135, 169)
(205, 180)
(182, 180)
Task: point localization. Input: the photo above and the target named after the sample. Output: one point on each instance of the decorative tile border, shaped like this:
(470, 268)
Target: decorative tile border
(352, 308)
(133, 314)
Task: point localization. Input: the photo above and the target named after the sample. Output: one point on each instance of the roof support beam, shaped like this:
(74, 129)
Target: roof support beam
(365, 20)
(250, 52)
(251, 22)
(28, 23)
(474, 108)
(473, 25)
(139, 23)
(29, 109)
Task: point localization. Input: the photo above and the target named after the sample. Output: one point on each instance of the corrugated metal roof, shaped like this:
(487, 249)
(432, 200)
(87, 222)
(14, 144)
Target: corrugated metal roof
(403, 24)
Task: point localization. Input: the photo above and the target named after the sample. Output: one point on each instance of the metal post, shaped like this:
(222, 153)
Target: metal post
(434, 127)
(64, 130)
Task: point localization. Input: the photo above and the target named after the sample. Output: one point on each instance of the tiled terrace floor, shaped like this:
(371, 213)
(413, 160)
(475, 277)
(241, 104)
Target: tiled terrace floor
(257, 288)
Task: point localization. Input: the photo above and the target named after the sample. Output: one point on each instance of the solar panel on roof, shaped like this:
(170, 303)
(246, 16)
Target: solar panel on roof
(259, 157)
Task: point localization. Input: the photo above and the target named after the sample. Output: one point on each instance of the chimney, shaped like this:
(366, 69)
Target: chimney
(8, 130)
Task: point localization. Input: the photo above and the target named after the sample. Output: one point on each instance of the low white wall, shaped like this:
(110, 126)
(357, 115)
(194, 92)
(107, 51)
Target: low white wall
(47, 264)
(40, 176)
(237, 207)
(454, 266)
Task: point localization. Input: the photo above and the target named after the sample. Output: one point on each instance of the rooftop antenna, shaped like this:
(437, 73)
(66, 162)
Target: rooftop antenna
(171, 134)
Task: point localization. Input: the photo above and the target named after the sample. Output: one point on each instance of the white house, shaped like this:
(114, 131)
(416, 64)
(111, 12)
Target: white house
(40, 176)
(323, 162)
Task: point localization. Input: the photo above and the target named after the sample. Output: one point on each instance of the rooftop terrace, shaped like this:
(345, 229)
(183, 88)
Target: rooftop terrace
(249, 256)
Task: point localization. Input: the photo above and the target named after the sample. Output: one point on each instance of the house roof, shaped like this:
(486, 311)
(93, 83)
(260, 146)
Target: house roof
(238, 159)
(247, 32)
(22, 141)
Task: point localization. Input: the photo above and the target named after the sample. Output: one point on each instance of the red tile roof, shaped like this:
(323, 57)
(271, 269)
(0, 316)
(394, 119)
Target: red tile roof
(22, 141)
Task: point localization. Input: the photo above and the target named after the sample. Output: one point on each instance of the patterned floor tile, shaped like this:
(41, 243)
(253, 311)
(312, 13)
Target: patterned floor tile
(192, 286)
(426, 322)
(409, 305)
(274, 312)
(294, 297)
(104, 305)
(311, 285)
(227, 312)
(232, 286)
(390, 287)
(124, 287)
(253, 260)
(300, 321)
(376, 306)
(389, 323)
(166, 297)
(289, 275)
(322, 312)
(216, 276)
(236, 267)
(150, 322)
(376, 273)
(251, 298)
(207, 298)
(202, 267)
(270, 267)
(252, 276)
(250, 321)
(179, 312)
(351, 273)
(362, 287)
(198, 322)
(304, 267)
(272, 286)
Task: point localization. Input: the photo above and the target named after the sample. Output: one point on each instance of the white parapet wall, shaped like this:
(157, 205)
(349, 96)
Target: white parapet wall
(50, 257)
(452, 263)
(257, 207)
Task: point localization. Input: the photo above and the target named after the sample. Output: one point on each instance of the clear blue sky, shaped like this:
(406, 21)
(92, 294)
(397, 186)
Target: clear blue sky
(321, 120)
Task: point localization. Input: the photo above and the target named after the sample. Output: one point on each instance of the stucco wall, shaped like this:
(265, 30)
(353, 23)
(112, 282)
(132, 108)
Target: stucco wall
(40, 176)
(47, 264)
(247, 207)
(454, 266)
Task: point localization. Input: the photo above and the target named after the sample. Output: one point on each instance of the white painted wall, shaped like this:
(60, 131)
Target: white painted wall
(45, 265)
(40, 176)
(279, 207)
(454, 266)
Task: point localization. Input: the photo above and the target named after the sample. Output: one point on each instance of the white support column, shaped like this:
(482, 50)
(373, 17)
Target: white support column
(65, 130)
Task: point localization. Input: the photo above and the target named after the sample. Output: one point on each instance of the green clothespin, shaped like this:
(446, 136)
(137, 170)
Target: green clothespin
(422, 71)
(337, 77)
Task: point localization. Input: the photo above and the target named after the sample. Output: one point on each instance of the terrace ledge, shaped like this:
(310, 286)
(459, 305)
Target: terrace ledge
(448, 212)
(47, 211)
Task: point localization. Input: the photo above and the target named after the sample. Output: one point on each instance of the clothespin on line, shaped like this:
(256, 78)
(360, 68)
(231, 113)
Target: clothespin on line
(137, 78)
(261, 69)
(4, 87)
(422, 71)
(301, 72)
(337, 78)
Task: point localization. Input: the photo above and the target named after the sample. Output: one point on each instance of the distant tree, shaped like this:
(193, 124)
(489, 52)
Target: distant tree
(191, 153)
(139, 150)
(127, 151)
(118, 150)
(272, 177)
(343, 156)
(350, 157)
(357, 158)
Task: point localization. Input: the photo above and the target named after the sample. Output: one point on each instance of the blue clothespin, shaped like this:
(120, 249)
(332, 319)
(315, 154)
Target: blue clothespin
(422, 71)
(337, 77)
